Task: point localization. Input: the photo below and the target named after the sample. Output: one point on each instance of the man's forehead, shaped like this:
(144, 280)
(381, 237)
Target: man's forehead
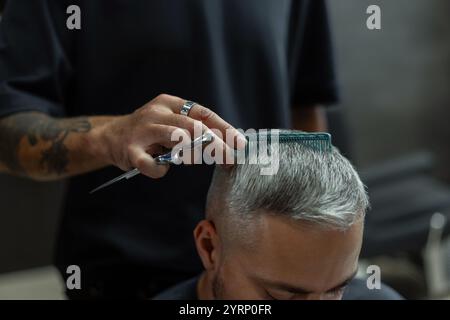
(276, 239)
(289, 247)
(282, 226)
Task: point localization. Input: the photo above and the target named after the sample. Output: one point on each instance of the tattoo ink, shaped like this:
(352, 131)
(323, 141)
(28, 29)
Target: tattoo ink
(39, 128)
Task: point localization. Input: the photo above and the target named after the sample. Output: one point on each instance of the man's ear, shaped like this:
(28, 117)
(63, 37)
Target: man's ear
(207, 243)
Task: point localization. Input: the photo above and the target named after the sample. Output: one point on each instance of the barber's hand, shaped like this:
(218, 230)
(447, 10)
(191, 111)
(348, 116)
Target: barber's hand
(129, 141)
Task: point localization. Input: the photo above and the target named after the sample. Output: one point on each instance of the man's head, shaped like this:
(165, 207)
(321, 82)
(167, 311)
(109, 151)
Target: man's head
(293, 235)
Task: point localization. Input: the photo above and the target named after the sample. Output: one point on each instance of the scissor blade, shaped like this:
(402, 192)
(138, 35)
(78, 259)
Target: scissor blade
(106, 184)
(126, 175)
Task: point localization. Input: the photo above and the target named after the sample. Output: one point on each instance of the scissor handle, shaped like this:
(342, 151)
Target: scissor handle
(162, 159)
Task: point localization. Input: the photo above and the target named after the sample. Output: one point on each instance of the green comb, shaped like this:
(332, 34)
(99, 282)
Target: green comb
(320, 141)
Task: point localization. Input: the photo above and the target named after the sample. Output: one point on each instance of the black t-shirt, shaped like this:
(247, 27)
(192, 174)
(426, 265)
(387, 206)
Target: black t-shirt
(356, 290)
(250, 61)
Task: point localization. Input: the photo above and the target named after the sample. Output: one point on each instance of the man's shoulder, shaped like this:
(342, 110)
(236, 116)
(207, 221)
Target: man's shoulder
(186, 290)
(357, 290)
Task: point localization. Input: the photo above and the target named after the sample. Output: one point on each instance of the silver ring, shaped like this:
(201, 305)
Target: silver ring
(187, 106)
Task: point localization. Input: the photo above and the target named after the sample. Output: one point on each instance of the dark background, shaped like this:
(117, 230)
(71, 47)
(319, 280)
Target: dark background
(394, 88)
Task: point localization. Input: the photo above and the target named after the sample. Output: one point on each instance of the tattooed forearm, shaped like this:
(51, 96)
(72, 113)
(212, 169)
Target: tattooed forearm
(26, 132)
(55, 158)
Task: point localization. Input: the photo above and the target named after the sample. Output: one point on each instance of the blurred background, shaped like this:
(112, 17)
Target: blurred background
(392, 121)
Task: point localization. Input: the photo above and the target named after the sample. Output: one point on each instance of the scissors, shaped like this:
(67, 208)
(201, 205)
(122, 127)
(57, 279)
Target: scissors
(167, 158)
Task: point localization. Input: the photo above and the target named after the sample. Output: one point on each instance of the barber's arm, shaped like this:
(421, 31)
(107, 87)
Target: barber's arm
(36, 70)
(309, 118)
(41, 147)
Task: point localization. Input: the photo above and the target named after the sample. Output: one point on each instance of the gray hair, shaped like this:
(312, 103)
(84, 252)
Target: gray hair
(311, 185)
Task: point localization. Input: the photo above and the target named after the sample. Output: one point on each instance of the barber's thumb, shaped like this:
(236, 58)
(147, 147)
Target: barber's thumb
(147, 165)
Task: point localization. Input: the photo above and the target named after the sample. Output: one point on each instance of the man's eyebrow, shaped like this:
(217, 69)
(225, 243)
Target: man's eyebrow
(298, 290)
(345, 282)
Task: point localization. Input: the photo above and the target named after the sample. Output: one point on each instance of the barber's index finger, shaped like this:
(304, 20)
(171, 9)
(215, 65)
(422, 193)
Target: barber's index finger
(213, 121)
(208, 118)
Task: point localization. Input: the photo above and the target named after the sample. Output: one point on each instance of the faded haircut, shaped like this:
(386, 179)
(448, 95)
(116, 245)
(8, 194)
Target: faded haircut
(311, 185)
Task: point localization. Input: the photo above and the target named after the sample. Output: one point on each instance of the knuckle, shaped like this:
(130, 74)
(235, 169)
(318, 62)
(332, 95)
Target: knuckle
(153, 112)
(156, 100)
(206, 114)
(228, 127)
(160, 96)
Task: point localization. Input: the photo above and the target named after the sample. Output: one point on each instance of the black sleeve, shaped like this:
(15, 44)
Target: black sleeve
(311, 57)
(34, 60)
